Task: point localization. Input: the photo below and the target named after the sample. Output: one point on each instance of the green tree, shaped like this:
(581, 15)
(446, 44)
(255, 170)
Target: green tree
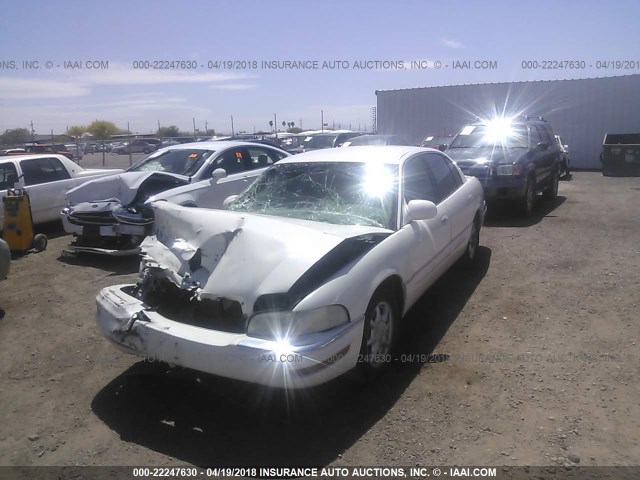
(171, 131)
(76, 131)
(15, 136)
(102, 130)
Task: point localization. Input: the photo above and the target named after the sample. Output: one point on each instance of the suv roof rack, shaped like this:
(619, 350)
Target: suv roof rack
(526, 118)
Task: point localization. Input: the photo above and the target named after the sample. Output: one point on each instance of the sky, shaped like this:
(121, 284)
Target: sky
(70, 62)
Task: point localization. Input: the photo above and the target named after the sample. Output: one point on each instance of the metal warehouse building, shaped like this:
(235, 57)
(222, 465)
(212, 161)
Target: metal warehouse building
(580, 111)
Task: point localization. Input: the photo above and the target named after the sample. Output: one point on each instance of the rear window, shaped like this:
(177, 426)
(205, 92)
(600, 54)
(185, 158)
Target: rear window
(8, 175)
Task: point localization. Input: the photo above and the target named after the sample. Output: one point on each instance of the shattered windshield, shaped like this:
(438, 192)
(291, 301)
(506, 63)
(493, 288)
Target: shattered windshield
(486, 136)
(338, 193)
(181, 162)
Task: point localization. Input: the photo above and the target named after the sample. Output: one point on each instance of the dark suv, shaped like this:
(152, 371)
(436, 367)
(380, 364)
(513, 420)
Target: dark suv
(512, 158)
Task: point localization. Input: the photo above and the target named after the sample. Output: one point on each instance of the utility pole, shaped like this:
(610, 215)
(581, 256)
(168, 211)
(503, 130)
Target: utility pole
(322, 121)
(206, 127)
(275, 124)
(194, 128)
(301, 124)
(158, 127)
(232, 129)
(130, 159)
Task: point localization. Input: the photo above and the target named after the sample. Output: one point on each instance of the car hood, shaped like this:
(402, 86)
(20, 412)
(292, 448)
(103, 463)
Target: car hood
(121, 188)
(241, 257)
(479, 155)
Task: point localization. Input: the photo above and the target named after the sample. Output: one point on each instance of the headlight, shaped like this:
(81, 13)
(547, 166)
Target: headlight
(132, 216)
(285, 324)
(509, 170)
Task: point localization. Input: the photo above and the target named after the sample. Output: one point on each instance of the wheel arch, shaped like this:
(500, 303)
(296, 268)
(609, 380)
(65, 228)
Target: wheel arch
(394, 284)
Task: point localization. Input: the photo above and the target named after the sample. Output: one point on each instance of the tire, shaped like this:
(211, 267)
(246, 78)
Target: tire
(529, 199)
(40, 242)
(468, 260)
(551, 192)
(379, 336)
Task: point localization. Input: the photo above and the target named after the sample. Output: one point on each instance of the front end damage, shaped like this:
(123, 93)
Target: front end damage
(207, 275)
(117, 225)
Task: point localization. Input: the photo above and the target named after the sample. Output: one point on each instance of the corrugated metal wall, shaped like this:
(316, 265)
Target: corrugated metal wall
(580, 111)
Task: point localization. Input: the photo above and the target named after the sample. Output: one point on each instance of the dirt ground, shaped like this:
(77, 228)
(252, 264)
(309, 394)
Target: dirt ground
(537, 363)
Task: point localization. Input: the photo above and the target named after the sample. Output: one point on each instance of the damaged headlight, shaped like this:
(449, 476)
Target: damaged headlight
(131, 215)
(285, 324)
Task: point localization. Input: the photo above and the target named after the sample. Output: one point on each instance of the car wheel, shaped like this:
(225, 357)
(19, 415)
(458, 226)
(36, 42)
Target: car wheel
(551, 192)
(378, 339)
(470, 254)
(529, 199)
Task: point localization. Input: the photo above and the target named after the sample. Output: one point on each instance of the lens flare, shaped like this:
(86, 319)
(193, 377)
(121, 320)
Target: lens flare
(498, 130)
(378, 181)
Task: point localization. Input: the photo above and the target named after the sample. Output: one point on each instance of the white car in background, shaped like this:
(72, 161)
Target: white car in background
(46, 177)
(112, 216)
(306, 275)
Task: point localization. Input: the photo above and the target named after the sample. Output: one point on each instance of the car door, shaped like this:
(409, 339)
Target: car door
(236, 161)
(549, 153)
(459, 206)
(430, 237)
(46, 181)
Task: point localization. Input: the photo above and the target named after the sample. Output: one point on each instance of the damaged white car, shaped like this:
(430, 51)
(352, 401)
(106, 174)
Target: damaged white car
(306, 275)
(112, 216)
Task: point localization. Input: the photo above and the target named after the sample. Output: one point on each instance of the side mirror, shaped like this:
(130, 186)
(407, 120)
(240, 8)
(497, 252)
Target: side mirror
(442, 147)
(420, 210)
(228, 201)
(217, 174)
(542, 146)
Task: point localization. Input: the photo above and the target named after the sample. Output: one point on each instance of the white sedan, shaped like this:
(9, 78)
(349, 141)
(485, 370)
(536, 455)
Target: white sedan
(110, 216)
(46, 177)
(308, 272)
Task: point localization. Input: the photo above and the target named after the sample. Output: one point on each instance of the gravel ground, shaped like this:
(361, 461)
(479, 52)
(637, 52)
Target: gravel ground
(530, 360)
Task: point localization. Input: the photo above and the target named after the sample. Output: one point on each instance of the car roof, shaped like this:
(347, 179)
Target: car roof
(27, 156)
(390, 154)
(215, 145)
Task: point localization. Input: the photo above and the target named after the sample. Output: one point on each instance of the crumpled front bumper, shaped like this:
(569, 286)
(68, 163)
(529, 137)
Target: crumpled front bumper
(108, 231)
(306, 362)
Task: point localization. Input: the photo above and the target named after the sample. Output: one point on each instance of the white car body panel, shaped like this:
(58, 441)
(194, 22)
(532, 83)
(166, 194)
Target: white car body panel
(244, 256)
(47, 199)
(206, 195)
(122, 187)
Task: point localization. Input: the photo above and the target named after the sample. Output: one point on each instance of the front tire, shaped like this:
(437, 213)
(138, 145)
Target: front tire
(379, 336)
(528, 201)
(471, 253)
(551, 192)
